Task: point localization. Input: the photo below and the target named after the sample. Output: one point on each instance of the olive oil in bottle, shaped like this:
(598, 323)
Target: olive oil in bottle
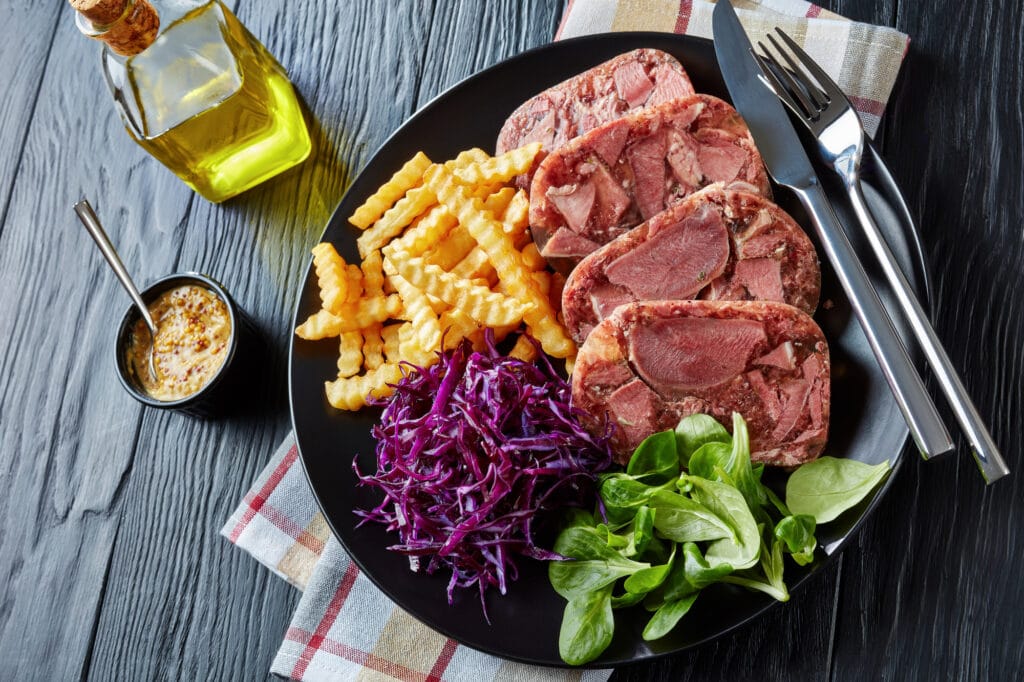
(197, 91)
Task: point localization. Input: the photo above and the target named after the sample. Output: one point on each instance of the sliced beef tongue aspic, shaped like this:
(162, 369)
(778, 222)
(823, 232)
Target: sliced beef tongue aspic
(624, 84)
(649, 364)
(599, 185)
(720, 243)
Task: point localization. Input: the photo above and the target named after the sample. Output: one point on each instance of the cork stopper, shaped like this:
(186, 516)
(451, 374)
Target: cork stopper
(127, 26)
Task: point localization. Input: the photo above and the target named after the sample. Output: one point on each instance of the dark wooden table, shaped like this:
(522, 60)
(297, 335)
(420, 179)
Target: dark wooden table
(111, 567)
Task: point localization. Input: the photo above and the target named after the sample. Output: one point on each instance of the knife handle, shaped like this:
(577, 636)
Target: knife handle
(926, 426)
(984, 449)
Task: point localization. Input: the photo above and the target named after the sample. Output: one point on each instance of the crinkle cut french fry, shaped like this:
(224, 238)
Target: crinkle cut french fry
(475, 264)
(436, 304)
(350, 354)
(331, 275)
(391, 336)
(466, 158)
(506, 261)
(426, 340)
(351, 393)
(391, 224)
(524, 349)
(426, 232)
(532, 258)
(486, 190)
(355, 284)
(407, 178)
(516, 218)
(373, 347)
(543, 280)
(498, 201)
(500, 168)
(456, 326)
(373, 274)
(570, 364)
(480, 303)
(324, 324)
(453, 247)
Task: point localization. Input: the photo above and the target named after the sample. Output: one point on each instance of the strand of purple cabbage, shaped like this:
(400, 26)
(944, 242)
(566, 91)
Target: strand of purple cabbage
(469, 452)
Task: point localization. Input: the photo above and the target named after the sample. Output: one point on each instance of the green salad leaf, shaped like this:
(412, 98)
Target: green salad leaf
(727, 503)
(827, 487)
(587, 626)
(593, 563)
(689, 511)
(798, 534)
(667, 617)
(655, 459)
(695, 431)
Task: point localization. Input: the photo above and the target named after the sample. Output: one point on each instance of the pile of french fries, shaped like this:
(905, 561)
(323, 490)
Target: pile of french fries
(446, 253)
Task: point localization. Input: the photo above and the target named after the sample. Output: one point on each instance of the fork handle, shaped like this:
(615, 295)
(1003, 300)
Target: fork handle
(926, 426)
(984, 449)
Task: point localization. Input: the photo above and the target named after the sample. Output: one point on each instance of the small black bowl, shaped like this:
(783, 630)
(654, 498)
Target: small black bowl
(228, 386)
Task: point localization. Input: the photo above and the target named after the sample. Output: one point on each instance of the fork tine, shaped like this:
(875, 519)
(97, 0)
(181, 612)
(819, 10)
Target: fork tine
(828, 85)
(783, 93)
(810, 109)
(800, 76)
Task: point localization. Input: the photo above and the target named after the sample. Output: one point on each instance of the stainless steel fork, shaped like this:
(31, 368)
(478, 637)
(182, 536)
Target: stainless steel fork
(817, 101)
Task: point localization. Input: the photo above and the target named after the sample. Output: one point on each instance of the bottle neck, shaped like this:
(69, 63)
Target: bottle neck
(126, 26)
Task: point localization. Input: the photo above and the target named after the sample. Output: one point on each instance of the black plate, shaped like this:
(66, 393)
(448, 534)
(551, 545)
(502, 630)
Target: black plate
(866, 424)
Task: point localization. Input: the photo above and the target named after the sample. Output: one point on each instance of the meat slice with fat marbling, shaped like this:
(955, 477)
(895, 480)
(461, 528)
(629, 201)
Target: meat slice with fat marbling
(623, 84)
(697, 249)
(649, 364)
(607, 181)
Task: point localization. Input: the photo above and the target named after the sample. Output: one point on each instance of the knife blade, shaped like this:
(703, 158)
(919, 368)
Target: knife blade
(788, 165)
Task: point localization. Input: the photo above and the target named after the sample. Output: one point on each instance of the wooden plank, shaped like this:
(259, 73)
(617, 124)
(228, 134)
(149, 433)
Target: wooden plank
(934, 591)
(34, 23)
(69, 430)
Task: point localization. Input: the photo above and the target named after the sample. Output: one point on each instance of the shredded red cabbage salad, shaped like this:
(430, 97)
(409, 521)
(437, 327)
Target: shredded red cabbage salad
(469, 452)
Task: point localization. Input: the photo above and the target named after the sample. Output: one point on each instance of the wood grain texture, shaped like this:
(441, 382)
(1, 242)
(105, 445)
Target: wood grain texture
(932, 589)
(69, 431)
(34, 22)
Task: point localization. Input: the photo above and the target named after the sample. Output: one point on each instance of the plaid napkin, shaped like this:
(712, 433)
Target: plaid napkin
(344, 627)
(862, 59)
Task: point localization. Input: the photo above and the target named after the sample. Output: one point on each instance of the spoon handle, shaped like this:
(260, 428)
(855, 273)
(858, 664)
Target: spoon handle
(92, 224)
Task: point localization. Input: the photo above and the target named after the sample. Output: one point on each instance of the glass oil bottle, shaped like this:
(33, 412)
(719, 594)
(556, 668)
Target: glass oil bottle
(196, 90)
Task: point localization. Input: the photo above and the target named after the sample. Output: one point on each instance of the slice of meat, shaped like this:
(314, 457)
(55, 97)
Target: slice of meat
(632, 83)
(669, 84)
(647, 166)
(624, 84)
(634, 407)
(679, 355)
(675, 261)
(782, 357)
(566, 244)
(668, 152)
(696, 249)
(575, 203)
(607, 298)
(675, 358)
(761, 277)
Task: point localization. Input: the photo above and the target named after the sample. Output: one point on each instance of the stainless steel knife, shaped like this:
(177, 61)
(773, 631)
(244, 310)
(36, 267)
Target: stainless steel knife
(788, 165)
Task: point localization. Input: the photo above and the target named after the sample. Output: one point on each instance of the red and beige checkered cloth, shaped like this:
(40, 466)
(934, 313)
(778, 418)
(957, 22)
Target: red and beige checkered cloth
(346, 629)
(863, 59)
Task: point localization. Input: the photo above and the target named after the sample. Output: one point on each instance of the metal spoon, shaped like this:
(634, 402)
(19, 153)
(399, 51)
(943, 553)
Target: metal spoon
(88, 217)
